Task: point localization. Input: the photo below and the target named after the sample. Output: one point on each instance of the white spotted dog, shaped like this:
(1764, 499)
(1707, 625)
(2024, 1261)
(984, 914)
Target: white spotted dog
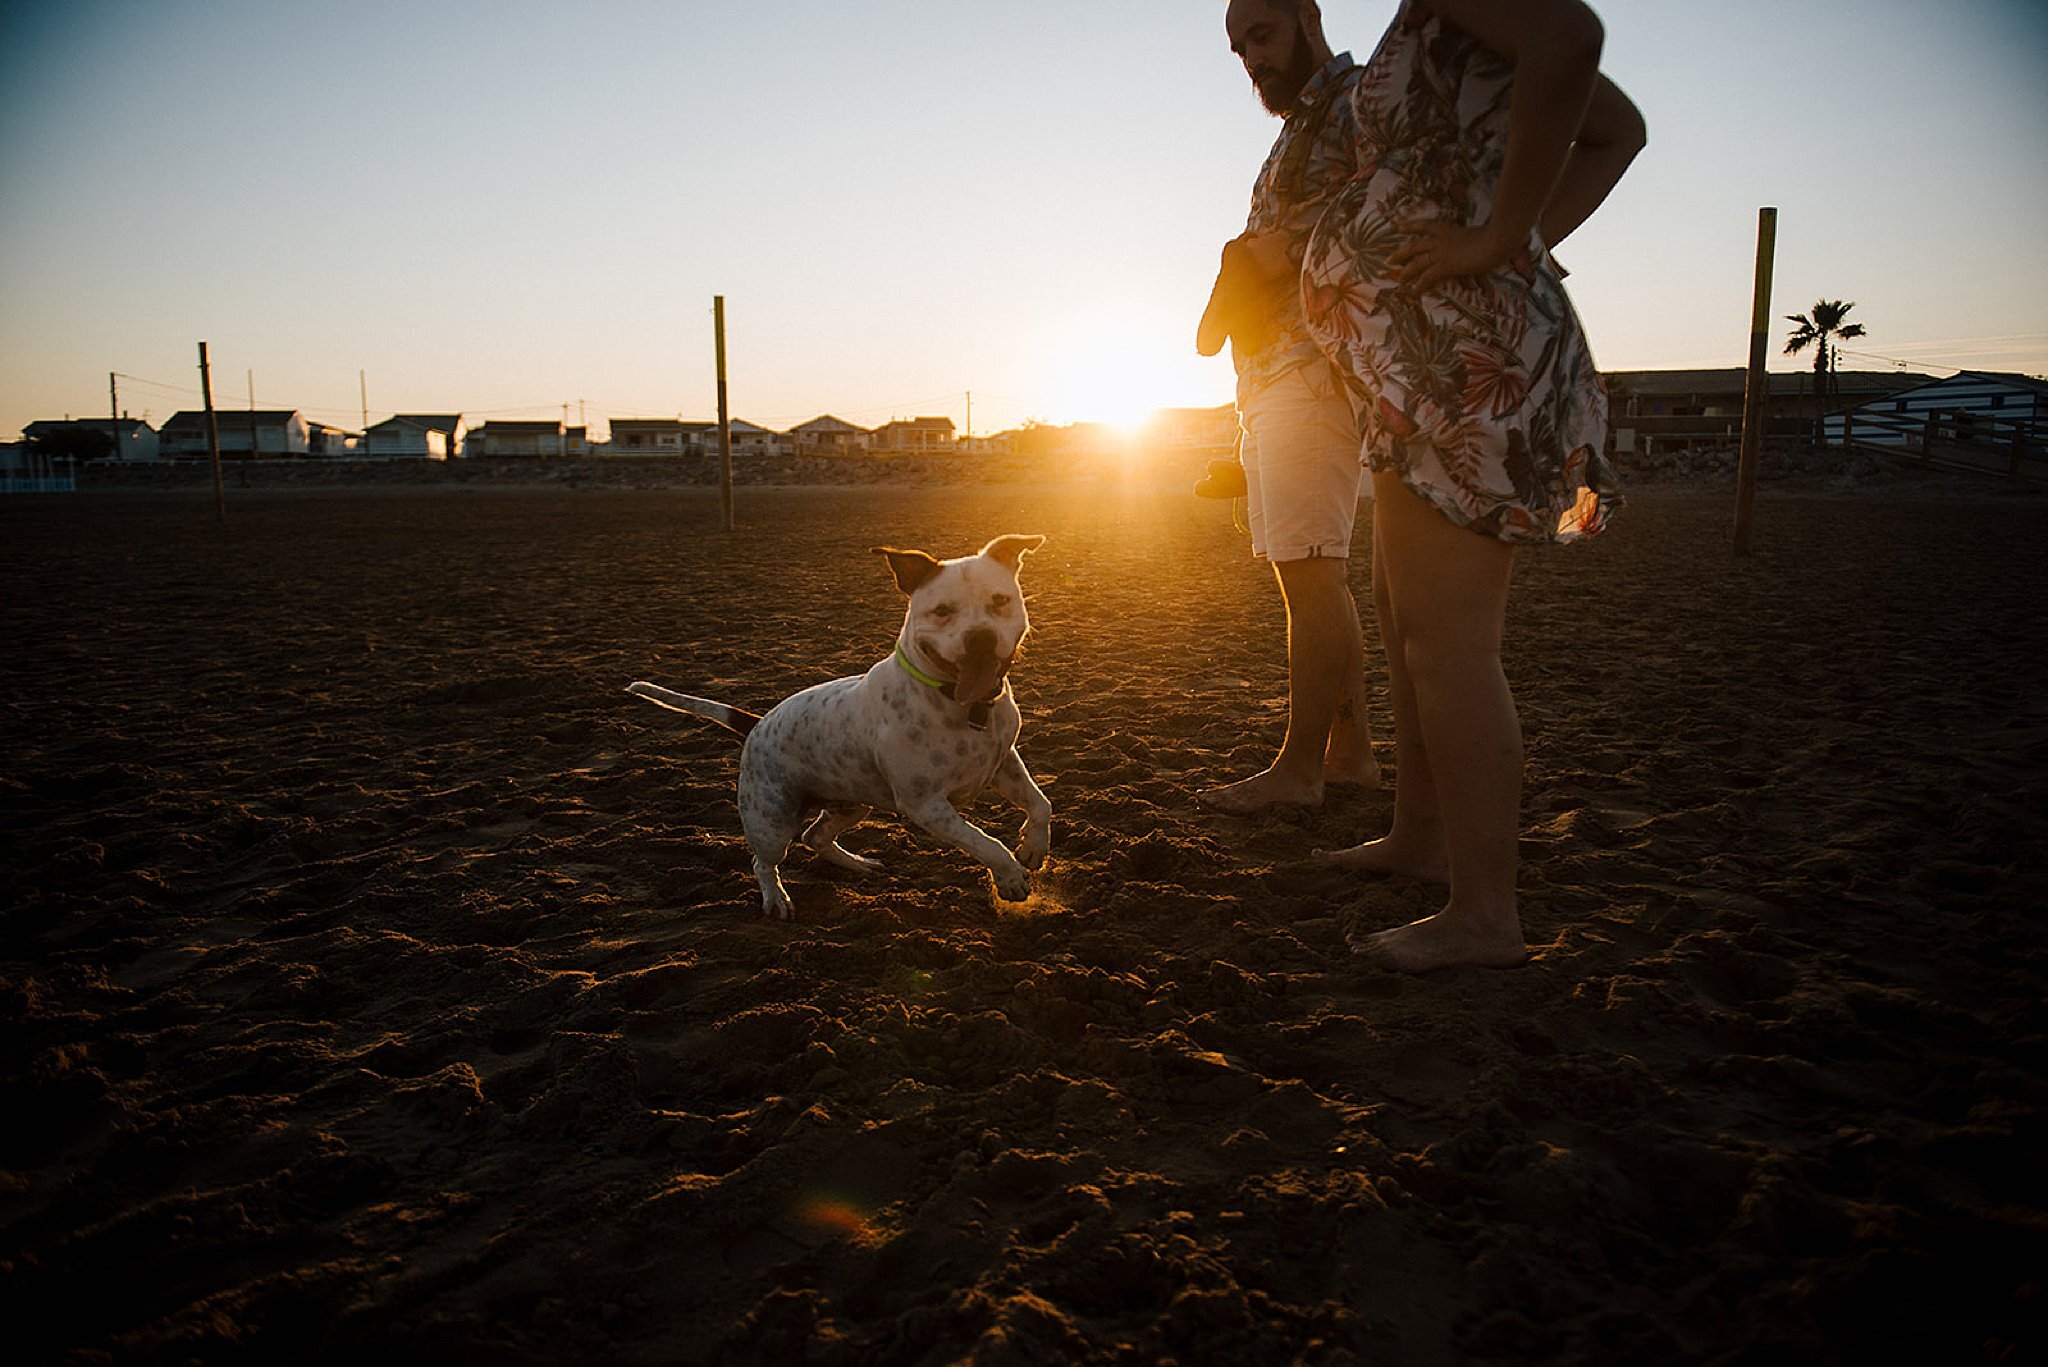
(923, 732)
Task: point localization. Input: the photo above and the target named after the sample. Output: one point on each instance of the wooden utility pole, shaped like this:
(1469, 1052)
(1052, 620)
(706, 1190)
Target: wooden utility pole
(220, 493)
(724, 417)
(1756, 388)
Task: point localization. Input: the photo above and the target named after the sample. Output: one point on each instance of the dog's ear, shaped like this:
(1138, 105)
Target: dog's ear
(1011, 549)
(911, 568)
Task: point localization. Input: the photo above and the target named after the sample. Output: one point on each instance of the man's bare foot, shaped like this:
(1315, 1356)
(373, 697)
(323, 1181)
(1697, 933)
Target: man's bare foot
(1363, 772)
(1440, 941)
(1407, 859)
(1260, 791)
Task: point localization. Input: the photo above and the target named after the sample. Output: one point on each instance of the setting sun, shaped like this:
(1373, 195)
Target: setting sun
(1117, 370)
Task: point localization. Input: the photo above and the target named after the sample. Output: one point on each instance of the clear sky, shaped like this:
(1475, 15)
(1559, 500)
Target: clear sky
(500, 207)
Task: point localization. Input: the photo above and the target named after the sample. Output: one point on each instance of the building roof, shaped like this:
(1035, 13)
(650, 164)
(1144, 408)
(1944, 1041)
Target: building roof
(1733, 379)
(523, 427)
(112, 426)
(660, 425)
(825, 422)
(238, 419)
(927, 424)
(428, 422)
(2031, 383)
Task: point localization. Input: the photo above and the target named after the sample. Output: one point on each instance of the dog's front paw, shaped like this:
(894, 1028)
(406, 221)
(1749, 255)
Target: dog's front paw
(776, 906)
(1037, 845)
(1012, 884)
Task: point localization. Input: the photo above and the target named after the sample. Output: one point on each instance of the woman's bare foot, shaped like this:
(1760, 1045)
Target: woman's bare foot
(1260, 791)
(1443, 941)
(1405, 858)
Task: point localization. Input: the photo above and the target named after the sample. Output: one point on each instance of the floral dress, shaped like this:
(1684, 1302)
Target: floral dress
(1481, 393)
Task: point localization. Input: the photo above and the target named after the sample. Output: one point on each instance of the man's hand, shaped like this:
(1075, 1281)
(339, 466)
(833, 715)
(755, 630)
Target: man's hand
(1214, 329)
(1255, 268)
(1265, 253)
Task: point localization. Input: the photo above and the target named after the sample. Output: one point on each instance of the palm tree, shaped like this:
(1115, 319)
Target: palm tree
(1822, 330)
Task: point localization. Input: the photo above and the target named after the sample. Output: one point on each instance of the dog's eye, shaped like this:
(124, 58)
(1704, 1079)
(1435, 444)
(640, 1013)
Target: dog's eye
(943, 610)
(1001, 602)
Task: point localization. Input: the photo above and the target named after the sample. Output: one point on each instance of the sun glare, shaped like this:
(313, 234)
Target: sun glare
(1115, 371)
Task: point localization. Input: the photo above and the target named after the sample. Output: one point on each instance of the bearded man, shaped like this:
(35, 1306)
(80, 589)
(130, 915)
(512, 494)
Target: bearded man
(1299, 439)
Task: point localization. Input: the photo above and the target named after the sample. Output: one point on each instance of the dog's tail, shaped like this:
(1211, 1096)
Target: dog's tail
(735, 719)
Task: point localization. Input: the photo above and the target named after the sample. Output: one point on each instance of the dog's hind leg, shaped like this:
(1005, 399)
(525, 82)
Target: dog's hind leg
(823, 838)
(770, 822)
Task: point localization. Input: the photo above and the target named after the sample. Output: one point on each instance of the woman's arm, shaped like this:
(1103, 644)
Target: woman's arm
(1555, 47)
(1608, 141)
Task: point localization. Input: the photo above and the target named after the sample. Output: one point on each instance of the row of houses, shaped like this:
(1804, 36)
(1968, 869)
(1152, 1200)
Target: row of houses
(245, 433)
(1667, 410)
(1651, 411)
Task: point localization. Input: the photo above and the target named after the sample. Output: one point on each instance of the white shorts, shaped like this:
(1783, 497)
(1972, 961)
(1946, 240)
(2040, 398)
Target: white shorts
(1303, 469)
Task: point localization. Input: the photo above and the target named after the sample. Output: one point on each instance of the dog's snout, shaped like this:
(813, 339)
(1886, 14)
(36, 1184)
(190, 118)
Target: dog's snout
(980, 641)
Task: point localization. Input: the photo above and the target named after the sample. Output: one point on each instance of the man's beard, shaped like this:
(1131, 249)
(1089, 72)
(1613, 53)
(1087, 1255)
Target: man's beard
(1279, 89)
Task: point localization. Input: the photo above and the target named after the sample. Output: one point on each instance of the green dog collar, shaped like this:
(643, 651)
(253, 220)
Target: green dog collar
(914, 672)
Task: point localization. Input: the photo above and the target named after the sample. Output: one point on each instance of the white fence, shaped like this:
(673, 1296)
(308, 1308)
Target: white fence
(40, 475)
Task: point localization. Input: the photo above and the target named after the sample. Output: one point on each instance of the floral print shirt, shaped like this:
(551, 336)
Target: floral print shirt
(1482, 393)
(1294, 186)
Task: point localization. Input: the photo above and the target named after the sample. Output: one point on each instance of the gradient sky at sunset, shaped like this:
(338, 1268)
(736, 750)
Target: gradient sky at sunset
(501, 208)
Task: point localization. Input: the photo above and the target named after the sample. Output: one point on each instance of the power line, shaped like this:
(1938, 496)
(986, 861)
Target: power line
(1893, 360)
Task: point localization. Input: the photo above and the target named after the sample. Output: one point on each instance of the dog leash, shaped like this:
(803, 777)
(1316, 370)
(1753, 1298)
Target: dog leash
(977, 713)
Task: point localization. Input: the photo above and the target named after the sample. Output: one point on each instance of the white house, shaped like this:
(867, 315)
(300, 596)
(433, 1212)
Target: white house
(915, 435)
(243, 434)
(544, 439)
(335, 442)
(433, 436)
(1987, 406)
(662, 437)
(753, 439)
(121, 438)
(827, 435)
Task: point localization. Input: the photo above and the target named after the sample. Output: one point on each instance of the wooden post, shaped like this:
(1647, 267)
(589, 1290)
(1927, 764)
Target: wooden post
(220, 495)
(724, 417)
(1757, 387)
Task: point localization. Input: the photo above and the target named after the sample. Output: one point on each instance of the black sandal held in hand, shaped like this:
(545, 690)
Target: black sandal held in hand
(1224, 480)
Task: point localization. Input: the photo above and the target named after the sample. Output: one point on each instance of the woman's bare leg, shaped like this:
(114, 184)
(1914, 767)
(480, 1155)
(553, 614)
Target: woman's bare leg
(1414, 845)
(1447, 590)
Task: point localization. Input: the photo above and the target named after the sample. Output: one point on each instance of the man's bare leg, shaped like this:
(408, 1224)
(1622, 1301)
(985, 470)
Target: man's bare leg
(1348, 757)
(1326, 714)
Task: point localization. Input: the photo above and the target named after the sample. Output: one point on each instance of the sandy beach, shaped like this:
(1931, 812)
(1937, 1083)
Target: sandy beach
(377, 979)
